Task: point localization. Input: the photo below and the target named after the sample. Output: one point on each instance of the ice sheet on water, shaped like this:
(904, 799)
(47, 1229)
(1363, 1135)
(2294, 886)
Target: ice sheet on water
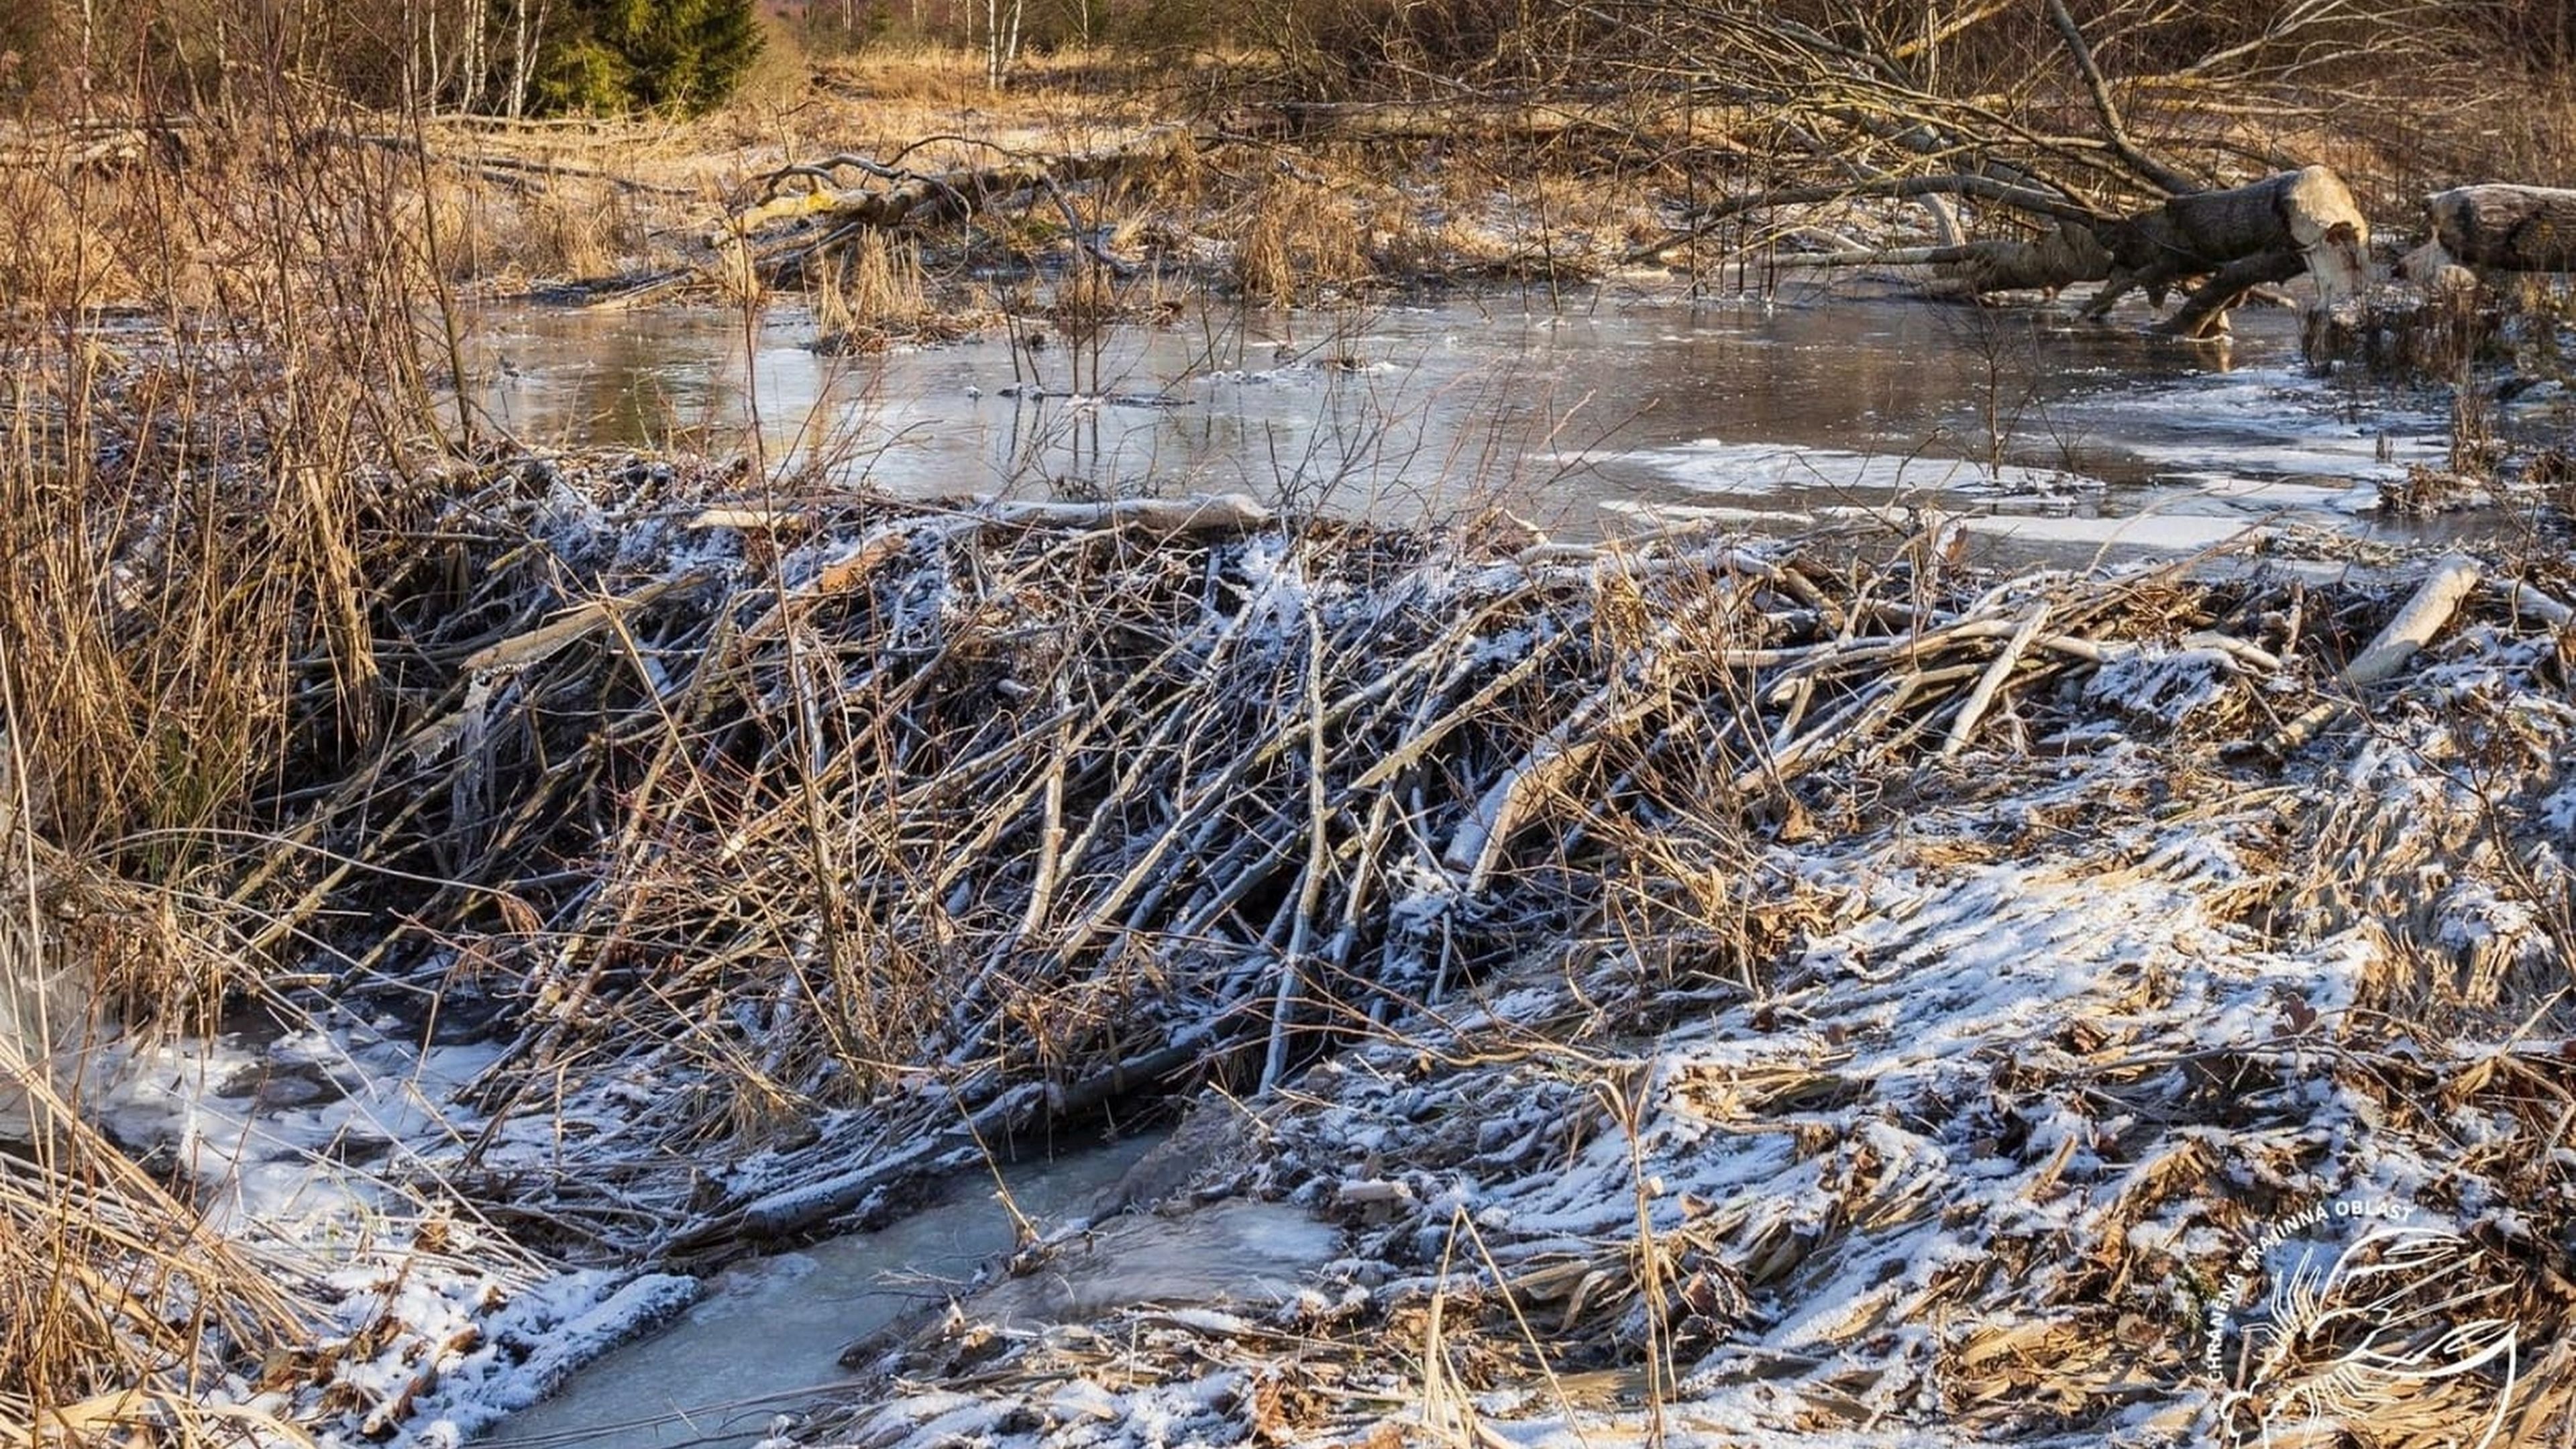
(2260, 423)
(1714, 465)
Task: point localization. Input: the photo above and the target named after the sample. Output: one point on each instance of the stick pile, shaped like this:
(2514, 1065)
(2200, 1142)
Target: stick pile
(2110, 1093)
(861, 832)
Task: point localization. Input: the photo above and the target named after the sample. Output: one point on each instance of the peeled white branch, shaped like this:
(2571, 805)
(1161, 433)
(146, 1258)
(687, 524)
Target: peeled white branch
(2414, 627)
(1992, 682)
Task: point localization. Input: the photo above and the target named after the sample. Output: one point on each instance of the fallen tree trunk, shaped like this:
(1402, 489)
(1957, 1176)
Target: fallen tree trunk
(1488, 119)
(96, 145)
(2307, 217)
(2204, 314)
(2239, 239)
(1982, 188)
(904, 196)
(2507, 228)
(2069, 254)
(2425, 615)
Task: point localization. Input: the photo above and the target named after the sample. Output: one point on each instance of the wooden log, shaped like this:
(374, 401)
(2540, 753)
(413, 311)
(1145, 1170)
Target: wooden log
(2426, 613)
(1991, 683)
(2507, 228)
(2069, 254)
(1447, 120)
(906, 196)
(1197, 513)
(2309, 213)
(2239, 239)
(2205, 314)
(96, 145)
(2433, 273)
(2526, 600)
(2431, 607)
(1982, 188)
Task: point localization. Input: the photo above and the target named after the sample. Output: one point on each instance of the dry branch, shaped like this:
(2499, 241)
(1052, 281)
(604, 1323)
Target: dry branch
(2114, 128)
(2424, 616)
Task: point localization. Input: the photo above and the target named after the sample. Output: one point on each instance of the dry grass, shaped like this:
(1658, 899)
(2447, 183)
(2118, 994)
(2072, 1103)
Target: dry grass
(117, 1305)
(873, 293)
(196, 500)
(1296, 239)
(566, 232)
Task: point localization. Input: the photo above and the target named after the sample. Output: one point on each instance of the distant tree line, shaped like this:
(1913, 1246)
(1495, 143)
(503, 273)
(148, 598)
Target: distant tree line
(536, 57)
(1038, 24)
(501, 57)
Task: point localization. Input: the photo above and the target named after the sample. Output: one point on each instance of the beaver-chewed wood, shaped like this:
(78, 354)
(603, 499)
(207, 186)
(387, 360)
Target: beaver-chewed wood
(2268, 230)
(2506, 228)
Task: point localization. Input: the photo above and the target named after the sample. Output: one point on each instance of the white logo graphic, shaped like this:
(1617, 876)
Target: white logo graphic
(2368, 1321)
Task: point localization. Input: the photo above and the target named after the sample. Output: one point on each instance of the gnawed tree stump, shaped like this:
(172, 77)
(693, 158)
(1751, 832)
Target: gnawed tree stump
(2506, 228)
(2240, 239)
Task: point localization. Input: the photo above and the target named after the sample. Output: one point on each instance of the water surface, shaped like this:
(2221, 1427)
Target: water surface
(1587, 419)
(767, 1335)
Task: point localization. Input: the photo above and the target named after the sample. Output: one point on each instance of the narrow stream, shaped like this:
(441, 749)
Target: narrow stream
(768, 1333)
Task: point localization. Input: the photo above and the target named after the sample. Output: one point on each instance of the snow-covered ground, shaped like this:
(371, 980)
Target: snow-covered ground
(327, 1150)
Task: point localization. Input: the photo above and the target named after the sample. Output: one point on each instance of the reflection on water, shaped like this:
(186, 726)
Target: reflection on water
(1573, 418)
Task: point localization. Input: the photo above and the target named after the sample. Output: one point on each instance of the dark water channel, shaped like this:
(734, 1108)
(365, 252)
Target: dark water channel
(1589, 418)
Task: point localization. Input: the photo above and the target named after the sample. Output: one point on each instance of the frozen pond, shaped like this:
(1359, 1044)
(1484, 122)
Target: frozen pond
(1588, 419)
(769, 1335)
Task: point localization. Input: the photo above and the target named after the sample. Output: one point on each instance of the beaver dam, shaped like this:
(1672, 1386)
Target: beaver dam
(1496, 726)
(1700, 986)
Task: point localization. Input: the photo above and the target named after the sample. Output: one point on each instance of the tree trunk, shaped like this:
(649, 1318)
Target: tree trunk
(2069, 254)
(919, 198)
(2507, 228)
(2308, 214)
(2205, 314)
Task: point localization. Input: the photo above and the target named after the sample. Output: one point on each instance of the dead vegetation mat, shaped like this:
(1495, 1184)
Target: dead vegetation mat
(2123, 1088)
(1810, 982)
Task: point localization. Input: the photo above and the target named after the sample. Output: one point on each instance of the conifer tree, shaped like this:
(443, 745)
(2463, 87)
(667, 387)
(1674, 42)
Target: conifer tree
(669, 55)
